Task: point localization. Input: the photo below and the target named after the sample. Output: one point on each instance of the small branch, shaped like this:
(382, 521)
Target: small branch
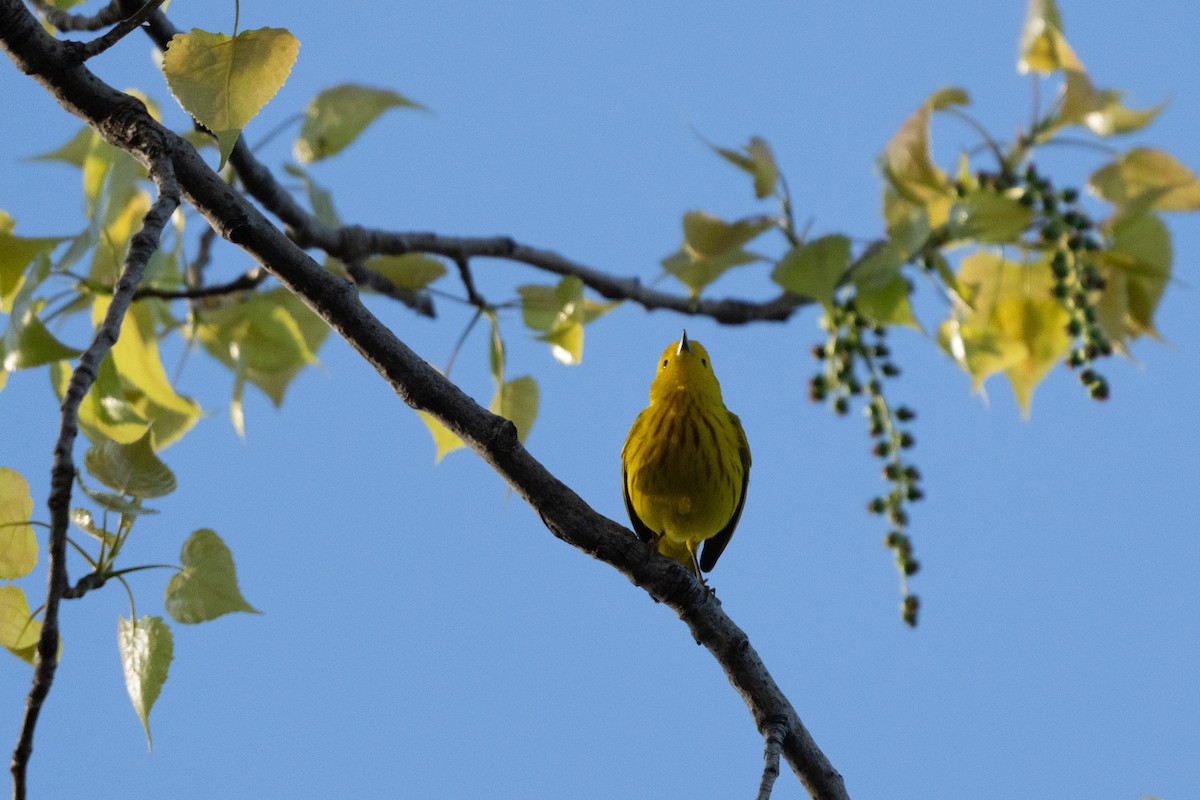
(418, 302)
(142, 246)
(249, 279)
(464, 273)
(66, 21)
(119, 32)
(774, 732)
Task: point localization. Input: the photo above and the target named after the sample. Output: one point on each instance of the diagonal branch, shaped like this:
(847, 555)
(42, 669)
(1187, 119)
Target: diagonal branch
(493, 438)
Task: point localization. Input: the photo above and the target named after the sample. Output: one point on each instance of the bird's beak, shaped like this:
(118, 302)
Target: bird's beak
(684, 347)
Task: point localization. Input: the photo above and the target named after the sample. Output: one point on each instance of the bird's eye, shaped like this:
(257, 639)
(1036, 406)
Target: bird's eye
(664, 363)
(704, 362)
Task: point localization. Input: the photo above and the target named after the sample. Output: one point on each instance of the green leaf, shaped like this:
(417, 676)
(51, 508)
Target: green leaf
(1111, 117)
(989, 217)
(19, 631)
(115, 502)
(756, 159)
(517, 400)
(143, 378)
(444, 440)
(1013, 325)
(267, 337)
(1039, 50)
(878, 265)
(888, 304)
(74, 151)
(814, 268)
(907, 160)
(411, 271)
(27, 342)
(82, 518)
(560, 312)
(130, 469)
(146, 651)
(16, 253)
(1136, 268)
(711, 246)
(106, 412)
(319, 198)
(1144, 174)
(18, 545)
(206, 587)
(224, 81)
(336, 116)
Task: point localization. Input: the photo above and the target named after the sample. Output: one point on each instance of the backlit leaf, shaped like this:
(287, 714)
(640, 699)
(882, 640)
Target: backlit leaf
(106, 411)
(73, 151)
(19, 632)
(560, 312)
(907, 161)
(206, 587)
(989, 217)
(130, 469)
(224, 81)
(18, 545)
(141, 371)
(444, 440)
(757, 159)
(1039, 47)
(814, 268)
(16, 252)
(336, 116)
(267, 337)
(1014, 324)
(1152, 175)
(411, 271)
(888, 304)
(146, 651)
(27, 342)
(517, 400)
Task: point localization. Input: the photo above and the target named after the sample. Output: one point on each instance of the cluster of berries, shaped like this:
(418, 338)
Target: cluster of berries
(855, 357)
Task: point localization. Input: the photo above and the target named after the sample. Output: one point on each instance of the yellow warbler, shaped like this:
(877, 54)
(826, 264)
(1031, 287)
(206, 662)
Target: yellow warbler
(686, 463)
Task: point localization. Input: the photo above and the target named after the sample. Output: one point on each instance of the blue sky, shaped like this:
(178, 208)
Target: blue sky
(424, 635)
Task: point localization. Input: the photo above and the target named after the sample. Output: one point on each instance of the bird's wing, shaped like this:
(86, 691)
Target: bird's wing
(715, 545)
(644, 533)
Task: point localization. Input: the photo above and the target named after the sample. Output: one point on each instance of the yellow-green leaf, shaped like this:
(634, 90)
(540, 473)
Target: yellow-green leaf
(1014, 324)
(1136, 268)
(106, 412)
(707, 235)
(1039, 46)
(124, 222)
(130, 469)
(756, 159)
(1144, 174)
(16, 252)
(814, 268)
(878, 265)
(19, 632)
(989, 217)
(560, 312)
(27, 342)
(336, 116)
(82, 518)
(517, 400)
(146, 651)
(907, 161)
(73, 151)
(444, 440)
(411, 271)
(18, 545)
(141, 371)
(888, 304)
(206, 587)
(267, 337)
(224, 81)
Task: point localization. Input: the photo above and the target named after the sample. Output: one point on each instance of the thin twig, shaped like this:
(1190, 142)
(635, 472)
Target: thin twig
(142, 246)
(464, 273)
(66, 21)
(119, 31)
(249, 279)
(774, 732)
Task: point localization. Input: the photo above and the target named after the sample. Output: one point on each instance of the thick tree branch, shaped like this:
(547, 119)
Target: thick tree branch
(493, 438)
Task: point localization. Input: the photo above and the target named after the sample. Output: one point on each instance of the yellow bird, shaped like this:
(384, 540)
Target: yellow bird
(686, 462)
